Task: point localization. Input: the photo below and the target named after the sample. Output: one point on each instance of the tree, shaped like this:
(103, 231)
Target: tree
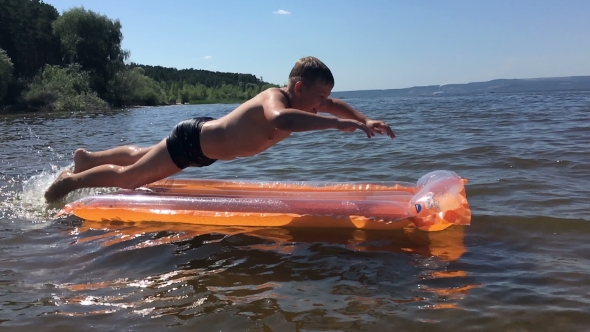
(27, 36)
(195, 76)
(70, 62)
(6, 67)
(93, 41)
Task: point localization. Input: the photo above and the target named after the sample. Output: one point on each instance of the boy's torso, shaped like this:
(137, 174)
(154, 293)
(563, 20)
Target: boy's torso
(242, 133)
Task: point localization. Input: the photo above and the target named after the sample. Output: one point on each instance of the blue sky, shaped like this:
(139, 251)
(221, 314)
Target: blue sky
(371, 44)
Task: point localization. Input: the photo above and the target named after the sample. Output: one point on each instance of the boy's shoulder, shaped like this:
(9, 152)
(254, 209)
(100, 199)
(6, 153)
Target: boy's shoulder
(270, 92)
(272, 96)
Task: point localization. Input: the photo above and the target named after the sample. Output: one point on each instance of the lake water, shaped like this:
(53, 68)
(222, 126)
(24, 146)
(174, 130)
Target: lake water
(522, 265)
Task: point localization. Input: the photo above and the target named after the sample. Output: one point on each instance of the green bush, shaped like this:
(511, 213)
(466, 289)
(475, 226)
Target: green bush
(132, 87)
(62, 89)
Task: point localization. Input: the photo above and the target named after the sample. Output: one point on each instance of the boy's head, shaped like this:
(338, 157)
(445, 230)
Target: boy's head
(311, 81)
(310, 70)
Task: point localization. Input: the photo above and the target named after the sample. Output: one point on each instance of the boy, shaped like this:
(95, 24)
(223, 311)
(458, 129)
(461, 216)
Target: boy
(251, 128)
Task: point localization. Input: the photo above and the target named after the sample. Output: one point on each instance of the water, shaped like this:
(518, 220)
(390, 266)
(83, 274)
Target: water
(521, 266)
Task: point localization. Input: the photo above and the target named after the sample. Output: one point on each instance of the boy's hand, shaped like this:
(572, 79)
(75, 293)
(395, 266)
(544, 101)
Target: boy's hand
(349, 125)
(380, 127)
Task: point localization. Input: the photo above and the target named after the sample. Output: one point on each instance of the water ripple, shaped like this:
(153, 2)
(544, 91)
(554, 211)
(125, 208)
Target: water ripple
(521, 265)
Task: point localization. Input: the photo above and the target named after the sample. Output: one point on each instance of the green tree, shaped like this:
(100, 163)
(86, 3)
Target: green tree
(184, 93)
(6, 68)
(27, 36)
(196, 76)
(93, 41)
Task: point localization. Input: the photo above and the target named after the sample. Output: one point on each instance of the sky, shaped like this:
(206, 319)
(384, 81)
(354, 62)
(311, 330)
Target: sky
(370, 44)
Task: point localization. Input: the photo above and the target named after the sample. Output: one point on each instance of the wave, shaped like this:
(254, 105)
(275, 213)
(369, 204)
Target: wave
(23, 199)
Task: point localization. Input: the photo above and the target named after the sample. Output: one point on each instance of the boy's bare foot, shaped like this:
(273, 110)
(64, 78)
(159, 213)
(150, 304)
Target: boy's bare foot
(58, 188)
(81, 160)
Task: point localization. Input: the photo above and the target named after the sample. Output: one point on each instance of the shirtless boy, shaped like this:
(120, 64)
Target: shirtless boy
(251, 128)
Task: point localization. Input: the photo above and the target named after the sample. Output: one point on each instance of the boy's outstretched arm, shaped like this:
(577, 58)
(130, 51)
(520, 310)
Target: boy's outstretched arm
(343, 110)
(293, 120)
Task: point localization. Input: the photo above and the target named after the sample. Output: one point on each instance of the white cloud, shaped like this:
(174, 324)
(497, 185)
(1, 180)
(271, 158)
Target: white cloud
(202, 58)
(282, 12)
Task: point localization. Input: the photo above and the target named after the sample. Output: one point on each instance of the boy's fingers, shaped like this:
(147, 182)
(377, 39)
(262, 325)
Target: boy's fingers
(390, 133)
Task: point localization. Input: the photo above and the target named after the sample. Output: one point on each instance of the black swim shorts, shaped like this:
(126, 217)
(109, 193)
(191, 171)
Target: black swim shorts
(184, 144)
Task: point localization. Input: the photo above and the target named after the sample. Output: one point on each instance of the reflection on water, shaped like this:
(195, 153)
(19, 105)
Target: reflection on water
(265, 270)
(447, 245)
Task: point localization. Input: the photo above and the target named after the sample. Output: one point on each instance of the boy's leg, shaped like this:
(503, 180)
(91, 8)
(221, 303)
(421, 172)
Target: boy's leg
(154, 165)
(122, 156)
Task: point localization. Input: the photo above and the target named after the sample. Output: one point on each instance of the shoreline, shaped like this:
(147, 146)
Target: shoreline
(17, 108)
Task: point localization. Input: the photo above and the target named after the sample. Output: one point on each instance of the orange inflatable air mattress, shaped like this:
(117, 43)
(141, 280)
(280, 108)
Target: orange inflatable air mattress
(436, 201)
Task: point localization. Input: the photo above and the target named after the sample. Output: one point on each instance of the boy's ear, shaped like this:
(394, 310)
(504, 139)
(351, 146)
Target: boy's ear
(298, 87)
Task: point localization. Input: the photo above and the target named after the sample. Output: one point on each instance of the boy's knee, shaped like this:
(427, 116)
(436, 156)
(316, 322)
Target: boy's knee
(135, 150)
(133, 179)
(133, 183)
(130, 179)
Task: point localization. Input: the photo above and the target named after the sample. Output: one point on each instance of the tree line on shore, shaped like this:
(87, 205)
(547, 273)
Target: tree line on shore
(74, 61)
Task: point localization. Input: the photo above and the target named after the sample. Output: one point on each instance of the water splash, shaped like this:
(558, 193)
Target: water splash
(23, 198)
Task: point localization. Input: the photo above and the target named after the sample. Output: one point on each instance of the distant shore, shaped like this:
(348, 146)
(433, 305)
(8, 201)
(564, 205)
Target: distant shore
(549, 84)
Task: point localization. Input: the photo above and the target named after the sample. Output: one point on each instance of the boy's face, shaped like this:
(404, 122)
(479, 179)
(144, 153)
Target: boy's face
(312, 96)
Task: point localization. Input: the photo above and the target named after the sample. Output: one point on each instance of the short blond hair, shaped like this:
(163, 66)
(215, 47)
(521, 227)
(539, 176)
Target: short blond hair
(311, 70)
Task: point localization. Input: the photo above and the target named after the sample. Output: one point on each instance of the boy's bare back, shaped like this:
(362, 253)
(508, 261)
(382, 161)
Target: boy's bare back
(246, 131)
